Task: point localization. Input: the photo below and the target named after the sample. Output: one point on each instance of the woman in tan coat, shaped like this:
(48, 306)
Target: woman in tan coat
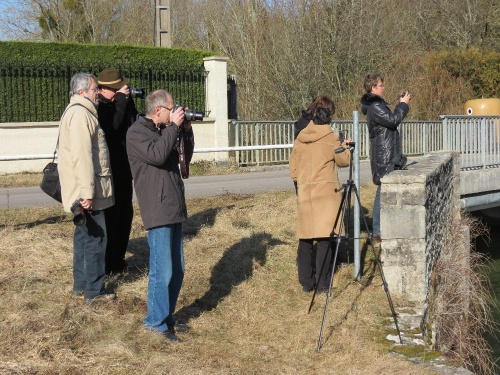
(317, 151)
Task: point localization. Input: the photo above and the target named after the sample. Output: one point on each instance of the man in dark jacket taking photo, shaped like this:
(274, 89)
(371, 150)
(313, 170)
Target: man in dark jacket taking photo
(385, 143)
(152, 147)
(117, 112)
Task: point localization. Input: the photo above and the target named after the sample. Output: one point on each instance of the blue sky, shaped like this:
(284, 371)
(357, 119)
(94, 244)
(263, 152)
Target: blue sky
(4, 4)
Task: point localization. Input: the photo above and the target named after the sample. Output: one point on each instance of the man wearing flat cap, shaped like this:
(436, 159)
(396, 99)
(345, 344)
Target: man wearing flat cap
(116, 112)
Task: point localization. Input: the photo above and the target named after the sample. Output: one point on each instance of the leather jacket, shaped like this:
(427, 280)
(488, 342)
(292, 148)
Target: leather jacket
(385, 143)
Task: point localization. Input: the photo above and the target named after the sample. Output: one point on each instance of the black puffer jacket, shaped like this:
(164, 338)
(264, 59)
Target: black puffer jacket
(385, 144)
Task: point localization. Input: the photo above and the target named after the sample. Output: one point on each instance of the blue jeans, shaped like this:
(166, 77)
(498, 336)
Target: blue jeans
(376, 213)
(89, 250)
(166, 272)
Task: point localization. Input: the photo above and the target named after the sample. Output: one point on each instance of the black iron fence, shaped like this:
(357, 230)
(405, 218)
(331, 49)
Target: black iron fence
(39, 92)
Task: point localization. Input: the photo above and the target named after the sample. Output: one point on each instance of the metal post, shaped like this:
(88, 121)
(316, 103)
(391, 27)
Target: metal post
(163, 36)
(483, 141)
(357, 209)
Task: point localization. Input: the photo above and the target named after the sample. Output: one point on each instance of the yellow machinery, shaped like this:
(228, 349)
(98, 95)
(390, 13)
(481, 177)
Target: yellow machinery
(482, 107)
(485, 107)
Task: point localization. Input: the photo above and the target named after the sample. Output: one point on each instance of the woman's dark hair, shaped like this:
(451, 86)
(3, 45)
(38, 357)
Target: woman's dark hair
(320, 111)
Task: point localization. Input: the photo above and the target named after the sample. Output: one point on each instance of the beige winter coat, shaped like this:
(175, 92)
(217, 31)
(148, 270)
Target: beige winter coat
(83, 157)
(313, 166)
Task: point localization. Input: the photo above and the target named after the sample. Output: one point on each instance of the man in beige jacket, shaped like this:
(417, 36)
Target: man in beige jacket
(86, 186)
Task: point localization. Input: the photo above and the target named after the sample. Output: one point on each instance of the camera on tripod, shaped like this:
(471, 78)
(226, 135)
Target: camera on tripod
(350, 145)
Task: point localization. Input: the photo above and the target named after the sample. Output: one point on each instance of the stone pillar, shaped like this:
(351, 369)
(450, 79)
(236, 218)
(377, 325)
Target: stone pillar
(418, 207)
(216, 103)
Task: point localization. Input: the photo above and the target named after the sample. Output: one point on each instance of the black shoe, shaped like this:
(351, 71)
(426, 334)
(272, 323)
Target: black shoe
(178, 328)
(170, 336)
(117, 269)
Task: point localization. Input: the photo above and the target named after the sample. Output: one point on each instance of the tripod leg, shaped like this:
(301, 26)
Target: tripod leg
(328, 295)
(343, 211)
(340, 216)
(378, 262)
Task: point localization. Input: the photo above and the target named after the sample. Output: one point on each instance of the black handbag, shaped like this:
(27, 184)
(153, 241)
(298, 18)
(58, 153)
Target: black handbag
(50, 181)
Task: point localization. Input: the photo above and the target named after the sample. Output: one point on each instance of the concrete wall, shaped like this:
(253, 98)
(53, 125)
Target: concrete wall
(35, 139)
(419, 206)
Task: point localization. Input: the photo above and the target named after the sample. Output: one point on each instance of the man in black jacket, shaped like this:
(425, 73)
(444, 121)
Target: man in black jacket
(152, 146)
(385, 144)
(116, 112)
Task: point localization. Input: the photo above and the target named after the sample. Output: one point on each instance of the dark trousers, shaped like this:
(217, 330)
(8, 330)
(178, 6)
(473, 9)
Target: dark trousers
(310, 259)
(118, 224)
(89, 244)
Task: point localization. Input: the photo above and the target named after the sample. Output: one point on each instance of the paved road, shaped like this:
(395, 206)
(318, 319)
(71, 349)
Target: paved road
(196, 187)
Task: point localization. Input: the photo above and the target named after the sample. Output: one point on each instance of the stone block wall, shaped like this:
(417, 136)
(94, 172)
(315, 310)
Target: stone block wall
(418, 207)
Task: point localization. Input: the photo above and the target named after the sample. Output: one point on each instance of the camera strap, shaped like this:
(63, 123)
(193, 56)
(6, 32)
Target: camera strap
(181, 149)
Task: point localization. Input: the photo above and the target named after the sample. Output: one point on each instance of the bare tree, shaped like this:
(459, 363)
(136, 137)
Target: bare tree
(285, 52)
(90, 21)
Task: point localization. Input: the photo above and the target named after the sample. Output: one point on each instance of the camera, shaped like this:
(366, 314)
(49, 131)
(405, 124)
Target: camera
(400, 162)
(78, 213)
(403, 93)
(190, 115)
(137, 92)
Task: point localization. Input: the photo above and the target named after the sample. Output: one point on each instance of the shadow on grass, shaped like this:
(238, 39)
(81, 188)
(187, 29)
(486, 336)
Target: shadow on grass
(139, 248)
(235, 266)
(369, 275)
(32, 224)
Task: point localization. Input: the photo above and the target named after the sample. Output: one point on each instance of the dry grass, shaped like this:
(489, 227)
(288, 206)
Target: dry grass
(20, 179)
(240, 297)
(462, 312)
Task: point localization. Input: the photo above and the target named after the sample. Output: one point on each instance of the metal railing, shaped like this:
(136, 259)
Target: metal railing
(270, 142)
(477, 139)
(418, 138)
(33, 93)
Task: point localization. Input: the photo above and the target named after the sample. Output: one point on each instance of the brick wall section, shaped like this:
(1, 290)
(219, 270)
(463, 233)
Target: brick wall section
(418, 208)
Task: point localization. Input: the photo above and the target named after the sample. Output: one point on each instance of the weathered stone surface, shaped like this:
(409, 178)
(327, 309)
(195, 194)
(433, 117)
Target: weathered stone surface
(418, 207)
(402, 221)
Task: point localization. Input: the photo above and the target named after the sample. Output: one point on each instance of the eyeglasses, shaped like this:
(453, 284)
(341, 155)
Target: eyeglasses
(162, 106)
(95, 89)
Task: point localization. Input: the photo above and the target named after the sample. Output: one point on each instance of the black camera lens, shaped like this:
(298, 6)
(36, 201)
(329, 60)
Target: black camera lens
(78, 213)
(193, 115)
(137, 92)
(79, 219)
(190, 115)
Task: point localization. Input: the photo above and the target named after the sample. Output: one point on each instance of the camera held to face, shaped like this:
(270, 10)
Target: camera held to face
(78, 213)
(137, 92)
(190, 115)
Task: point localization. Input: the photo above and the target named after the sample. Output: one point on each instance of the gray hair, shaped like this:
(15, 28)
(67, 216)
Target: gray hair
(157, 98)
(81, 81)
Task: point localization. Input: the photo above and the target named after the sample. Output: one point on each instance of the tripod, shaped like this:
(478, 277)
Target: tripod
(344, 215)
